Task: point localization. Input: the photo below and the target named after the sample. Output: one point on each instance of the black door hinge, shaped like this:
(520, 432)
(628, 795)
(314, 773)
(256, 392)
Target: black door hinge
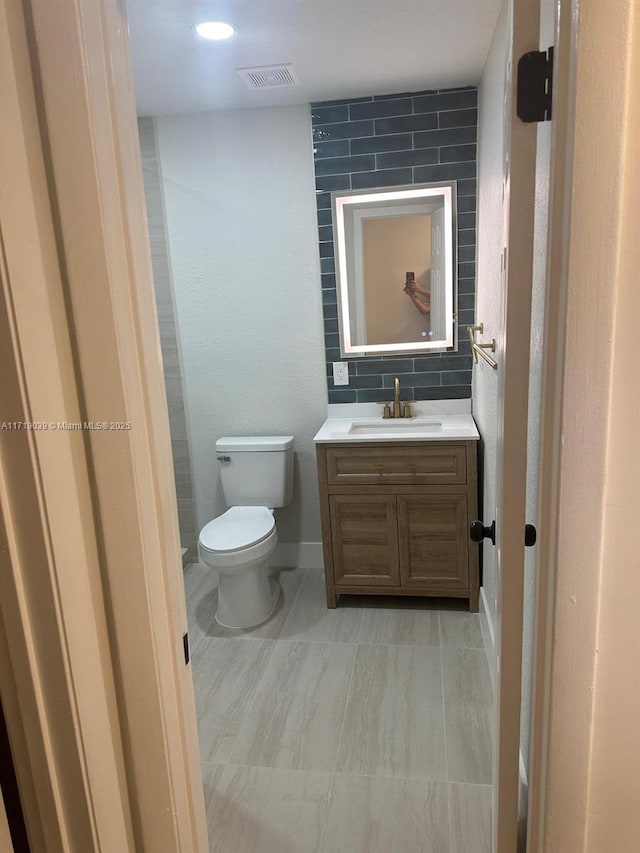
(535, 86)
(185, 646)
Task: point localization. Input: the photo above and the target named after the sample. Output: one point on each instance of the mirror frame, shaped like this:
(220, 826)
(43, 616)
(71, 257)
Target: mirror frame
(343, 199)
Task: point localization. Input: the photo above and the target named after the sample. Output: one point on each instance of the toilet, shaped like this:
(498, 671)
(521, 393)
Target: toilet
(257, 476)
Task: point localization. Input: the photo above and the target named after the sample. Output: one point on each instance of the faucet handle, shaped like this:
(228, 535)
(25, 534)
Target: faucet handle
(406, 408)
(386, 412)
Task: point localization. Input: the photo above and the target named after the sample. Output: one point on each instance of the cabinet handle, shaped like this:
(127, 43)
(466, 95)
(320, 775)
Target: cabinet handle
(401, 507)
(379, 467)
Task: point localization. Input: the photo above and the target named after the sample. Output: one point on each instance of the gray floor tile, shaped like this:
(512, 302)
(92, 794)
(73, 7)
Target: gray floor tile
(410, 624)
(201, 596)
(282, 704)
(470, 818)
(265, 810)
(460, 629)
(375, 815)
(468, 709)
(310, 619)
(296, 717)
(226, 674)
(394, 722)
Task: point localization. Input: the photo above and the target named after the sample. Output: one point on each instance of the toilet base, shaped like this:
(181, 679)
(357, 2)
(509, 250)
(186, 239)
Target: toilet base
(246, 600)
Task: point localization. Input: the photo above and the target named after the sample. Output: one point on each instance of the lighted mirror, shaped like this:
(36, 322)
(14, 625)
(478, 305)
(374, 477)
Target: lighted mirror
(395, 269)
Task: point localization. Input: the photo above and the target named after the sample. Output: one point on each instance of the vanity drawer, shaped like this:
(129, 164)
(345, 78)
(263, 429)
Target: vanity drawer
(428, 465)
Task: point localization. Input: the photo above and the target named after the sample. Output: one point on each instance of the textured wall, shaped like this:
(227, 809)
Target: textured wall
(383, 141)
(168, 334)
(242, 232)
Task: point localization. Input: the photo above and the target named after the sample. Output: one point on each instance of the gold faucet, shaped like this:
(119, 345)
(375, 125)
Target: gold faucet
(400, 410)
(396, 399)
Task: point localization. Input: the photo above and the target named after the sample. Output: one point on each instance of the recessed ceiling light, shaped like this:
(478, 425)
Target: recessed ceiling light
(215, 30)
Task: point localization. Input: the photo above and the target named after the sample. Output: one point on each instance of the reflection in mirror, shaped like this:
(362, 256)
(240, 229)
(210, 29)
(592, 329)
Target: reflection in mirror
(396, 275)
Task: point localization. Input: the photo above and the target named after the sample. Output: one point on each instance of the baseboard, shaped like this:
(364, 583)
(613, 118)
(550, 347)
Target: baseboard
(298, 555)
(488, 635)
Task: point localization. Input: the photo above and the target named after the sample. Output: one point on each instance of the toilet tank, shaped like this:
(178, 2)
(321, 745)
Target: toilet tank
(256, 470)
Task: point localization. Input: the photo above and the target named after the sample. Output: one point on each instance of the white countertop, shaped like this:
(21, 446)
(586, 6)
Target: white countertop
(434, 427)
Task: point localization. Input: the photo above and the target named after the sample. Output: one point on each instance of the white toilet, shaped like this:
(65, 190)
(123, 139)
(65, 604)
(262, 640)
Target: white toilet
(257, 476)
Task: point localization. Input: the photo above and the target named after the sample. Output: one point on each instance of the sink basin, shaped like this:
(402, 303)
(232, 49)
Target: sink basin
(410, 426)
(421, 427)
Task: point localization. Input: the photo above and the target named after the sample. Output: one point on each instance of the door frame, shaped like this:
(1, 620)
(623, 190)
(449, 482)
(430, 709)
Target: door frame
(98, 699)
(584, 704)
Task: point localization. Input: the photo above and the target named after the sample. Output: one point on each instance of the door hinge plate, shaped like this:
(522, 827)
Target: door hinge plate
(535, 86)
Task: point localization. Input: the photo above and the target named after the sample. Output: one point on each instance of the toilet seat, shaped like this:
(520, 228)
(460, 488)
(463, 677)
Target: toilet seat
(239, 528)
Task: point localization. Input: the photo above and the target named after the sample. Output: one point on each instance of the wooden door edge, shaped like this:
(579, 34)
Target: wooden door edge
(55, 672)
(512, 427)
(94, 153)
(77, 62)
(551, 407)
(6, 844)
(566, 627)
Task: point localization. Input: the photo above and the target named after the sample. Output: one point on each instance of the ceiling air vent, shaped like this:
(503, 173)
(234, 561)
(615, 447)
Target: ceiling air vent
(268, 76)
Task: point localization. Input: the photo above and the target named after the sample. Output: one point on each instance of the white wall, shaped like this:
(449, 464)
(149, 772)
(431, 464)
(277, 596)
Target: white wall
(240, 198)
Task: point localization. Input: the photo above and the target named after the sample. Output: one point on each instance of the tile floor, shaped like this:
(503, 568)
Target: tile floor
(364, 729)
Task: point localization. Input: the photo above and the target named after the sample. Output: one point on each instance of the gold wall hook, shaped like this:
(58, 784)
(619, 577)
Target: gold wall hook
(479, 349)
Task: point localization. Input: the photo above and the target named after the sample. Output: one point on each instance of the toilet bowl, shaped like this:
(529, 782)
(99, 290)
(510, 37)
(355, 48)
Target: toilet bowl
(256, 473)
(238, 545)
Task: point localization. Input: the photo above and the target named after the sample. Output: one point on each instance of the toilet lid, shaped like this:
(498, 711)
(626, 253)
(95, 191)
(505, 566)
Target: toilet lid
(239, 527)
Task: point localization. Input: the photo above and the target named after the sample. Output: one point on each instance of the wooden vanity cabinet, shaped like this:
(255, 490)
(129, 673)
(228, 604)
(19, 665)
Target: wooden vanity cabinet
(395, 518)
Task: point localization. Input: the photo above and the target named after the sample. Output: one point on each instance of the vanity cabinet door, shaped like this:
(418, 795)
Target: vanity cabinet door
(432, 532)
(364, 534)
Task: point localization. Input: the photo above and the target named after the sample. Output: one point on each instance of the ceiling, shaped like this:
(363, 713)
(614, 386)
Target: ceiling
(339, 49)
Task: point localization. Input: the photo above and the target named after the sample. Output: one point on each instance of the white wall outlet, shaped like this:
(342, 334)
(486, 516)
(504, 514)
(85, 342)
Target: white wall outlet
(340, 373)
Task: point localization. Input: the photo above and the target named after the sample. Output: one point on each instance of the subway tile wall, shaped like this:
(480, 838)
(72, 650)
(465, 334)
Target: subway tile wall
(168, 336)
(382, 141)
